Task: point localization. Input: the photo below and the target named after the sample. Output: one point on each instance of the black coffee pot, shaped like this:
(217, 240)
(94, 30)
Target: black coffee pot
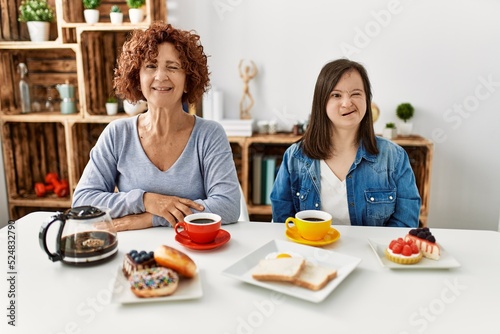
(86, 235)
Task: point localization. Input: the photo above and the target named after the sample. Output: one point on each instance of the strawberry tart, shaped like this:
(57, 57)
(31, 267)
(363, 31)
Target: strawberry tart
(403, 252)
(424, 239)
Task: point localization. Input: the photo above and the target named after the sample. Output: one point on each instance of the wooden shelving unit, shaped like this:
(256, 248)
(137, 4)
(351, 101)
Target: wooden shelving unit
(48, 141)
(419, 150)
(243, 149)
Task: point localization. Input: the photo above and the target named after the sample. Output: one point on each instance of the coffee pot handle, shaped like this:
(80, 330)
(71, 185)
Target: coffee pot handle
(42, 237)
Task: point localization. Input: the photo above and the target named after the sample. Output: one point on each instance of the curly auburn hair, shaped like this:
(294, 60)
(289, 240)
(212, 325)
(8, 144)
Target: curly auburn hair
(142, 46)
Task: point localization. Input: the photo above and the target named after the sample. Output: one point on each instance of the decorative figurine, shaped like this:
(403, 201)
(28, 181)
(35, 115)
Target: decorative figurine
(246, 75)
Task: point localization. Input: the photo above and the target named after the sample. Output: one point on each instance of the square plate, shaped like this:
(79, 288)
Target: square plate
(344, 264)
(446, 261)
(189, 288)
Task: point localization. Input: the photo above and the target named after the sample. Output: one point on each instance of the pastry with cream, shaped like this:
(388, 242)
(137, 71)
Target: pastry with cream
(137, 260)
(424, 239)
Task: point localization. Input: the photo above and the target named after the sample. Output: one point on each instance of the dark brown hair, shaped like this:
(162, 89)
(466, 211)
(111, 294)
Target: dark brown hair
(316, 142)
(143, 46)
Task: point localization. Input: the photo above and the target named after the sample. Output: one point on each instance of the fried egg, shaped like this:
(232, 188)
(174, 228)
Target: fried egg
(281, 255)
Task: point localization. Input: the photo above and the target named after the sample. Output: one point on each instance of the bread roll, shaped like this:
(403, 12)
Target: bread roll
(172, 258)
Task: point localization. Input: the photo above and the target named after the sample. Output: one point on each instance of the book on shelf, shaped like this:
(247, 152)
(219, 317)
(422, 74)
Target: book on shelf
(264, 169)
(268, 175)
(256, 179)
(237, 127)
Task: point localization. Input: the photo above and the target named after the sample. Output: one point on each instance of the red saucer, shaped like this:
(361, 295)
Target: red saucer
(222, 237)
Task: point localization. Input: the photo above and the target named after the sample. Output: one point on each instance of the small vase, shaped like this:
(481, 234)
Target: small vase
(39, 31)
(405, 129)
(389, 133)
(111, 108)
(134, 109)
(91, 15)
(116, 18)
(136, 15)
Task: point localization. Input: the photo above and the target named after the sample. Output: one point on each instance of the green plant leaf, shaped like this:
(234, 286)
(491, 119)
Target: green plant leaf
(405, 111)
(36, 10)
(136, 3)
(91, 4)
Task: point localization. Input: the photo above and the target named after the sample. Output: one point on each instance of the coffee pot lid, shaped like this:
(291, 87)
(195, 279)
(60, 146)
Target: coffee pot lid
(84, 212)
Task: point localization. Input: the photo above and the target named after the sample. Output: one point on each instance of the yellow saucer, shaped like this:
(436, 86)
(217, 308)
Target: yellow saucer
(332, 236)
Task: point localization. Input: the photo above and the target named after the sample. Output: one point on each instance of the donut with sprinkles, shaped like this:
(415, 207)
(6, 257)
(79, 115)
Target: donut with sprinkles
(154, 282)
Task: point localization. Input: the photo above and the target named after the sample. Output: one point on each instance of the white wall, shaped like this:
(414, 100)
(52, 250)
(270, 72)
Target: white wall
(435, 54)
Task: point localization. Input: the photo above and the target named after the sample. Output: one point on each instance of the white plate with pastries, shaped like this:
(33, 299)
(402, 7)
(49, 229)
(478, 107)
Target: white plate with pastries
(321, 272)
(186, 283)
(188, 288)
(446, 261)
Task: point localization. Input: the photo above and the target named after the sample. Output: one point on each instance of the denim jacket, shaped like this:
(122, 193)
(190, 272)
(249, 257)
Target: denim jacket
(381, 189)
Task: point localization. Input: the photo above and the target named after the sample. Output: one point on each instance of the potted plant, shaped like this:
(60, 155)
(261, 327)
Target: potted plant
(135, 12)
(37, 14)
(404, 112)
(116, 15)
(389, 131)
(91, 12)
(112, 106)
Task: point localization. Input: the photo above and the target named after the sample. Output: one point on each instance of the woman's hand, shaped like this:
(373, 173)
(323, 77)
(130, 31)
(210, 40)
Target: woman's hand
(133, 222)
(172, 208)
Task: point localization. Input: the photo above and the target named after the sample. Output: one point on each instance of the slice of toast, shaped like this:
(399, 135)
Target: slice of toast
(314, 276)
(282, 269)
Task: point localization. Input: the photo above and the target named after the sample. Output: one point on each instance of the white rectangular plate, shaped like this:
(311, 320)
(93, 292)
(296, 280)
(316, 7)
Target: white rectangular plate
(344, 264)
(446, 261)
(189, 288)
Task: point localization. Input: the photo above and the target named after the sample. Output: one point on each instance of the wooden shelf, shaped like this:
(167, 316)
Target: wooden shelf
(420, 152)
(37, 117)
(44, 202)
(84, 55)
(25, 45)
(263, 210)
(247, 146)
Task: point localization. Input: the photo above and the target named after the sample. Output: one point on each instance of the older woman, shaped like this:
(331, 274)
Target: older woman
(340, 166)
(164, 163)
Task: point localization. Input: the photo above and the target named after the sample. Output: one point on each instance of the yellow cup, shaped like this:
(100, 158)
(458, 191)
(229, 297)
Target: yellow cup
(311, 224)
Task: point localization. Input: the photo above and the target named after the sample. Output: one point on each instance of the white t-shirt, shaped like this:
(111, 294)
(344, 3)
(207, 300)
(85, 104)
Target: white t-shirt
(334, 196)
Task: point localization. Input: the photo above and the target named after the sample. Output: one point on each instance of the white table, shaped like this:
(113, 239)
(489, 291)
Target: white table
(56, 298)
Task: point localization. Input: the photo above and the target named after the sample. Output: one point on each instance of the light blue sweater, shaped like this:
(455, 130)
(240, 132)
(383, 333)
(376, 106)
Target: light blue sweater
(204, 172)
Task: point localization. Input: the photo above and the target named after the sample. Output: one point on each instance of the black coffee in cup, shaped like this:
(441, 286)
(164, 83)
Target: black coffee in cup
(313, 219)
(202, 221)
